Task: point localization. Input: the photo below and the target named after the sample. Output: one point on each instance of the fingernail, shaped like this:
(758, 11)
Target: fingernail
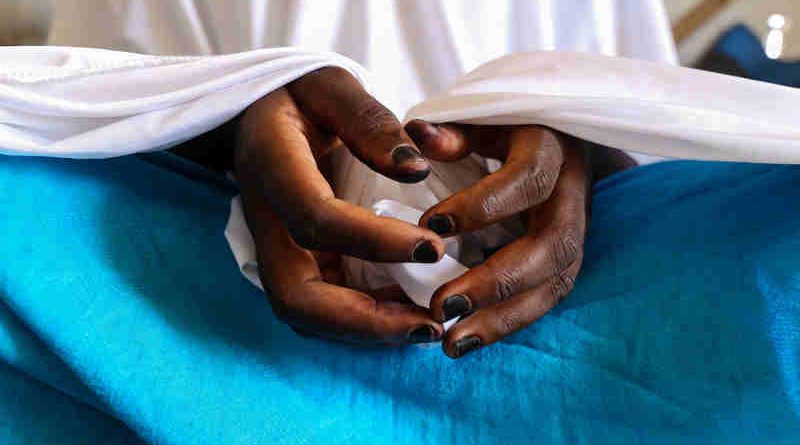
(466, 345)
(414, 167)
(420, 131)
(441, 224)
(455, 306)
(425, 252)
(405, 154)
(421, 334)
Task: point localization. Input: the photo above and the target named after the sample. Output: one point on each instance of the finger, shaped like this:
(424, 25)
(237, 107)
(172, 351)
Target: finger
(336, 100)
(346, 314)
(526, 179)
(300, 298)
(520, 266)
(553, 243)
(451, 142)
(491, 324)
(274, 162)
(441, 142)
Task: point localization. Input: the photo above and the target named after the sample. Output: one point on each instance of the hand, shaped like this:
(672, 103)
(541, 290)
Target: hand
(546, 179)
(299, 226)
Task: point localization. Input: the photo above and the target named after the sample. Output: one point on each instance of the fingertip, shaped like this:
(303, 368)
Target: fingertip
(442, 224)
(409, 164)
(421, 132)
(448, 350)
(428, 251)
(421, 334)
(449, 302)
(440, 220)
(455, 305)
(457, 347)
(440, 142)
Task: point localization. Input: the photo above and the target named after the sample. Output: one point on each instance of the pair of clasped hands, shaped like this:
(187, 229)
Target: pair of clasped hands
(301, 228)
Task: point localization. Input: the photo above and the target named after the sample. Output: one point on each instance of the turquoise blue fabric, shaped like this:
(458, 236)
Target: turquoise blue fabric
(124, 320)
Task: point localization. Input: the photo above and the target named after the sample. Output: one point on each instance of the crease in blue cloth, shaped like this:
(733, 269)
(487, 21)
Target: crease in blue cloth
(125, 320)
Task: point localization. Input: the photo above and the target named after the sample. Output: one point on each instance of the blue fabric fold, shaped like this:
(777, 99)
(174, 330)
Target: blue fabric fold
(121, 301)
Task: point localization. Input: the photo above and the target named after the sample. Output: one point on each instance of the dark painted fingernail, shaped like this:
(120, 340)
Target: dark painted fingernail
(420, 131)
(406, 154)
(421, 334)
(414, 167)
(441, 224)
(425, 252)
(466, 345)
(455, 306)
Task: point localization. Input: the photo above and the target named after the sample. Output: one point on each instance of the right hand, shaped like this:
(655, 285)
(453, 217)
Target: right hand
(299, 226)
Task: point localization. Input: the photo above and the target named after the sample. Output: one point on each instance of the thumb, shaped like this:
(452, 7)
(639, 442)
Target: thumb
(332, 98)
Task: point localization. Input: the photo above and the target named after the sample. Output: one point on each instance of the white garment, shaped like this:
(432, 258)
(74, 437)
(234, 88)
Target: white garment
(94, 103)
(87, 103)
(413, 48)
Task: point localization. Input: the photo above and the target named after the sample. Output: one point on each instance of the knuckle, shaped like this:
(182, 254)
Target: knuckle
(507, 283)
(509, 323)
(494, 205)
(550, 140)
(373, 118)
(537, 184)
(561, 285)
(565, 248)
(488, 206)
(551, 148)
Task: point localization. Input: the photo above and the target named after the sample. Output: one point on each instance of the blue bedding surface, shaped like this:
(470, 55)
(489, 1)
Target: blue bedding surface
(124, 320)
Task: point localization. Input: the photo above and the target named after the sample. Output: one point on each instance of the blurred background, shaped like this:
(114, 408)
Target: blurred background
(751, 38)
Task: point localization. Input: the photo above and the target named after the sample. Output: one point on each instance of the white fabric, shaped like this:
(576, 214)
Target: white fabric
(629, 104)
(91, 103)
(80, 102)
(413, 48)
(95, 103)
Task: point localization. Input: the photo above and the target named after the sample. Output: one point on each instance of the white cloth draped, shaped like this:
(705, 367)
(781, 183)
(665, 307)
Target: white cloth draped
(77, 102)
(81, 102)
(413, 48)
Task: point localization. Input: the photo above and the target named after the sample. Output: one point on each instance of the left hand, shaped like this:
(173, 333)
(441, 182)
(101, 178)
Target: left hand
(546, 179)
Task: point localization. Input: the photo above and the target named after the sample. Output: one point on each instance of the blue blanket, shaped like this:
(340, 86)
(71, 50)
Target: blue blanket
(124, 320)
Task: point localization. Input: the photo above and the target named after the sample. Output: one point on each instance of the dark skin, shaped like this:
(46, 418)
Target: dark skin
(546, 180)
(299, 226)
(301, 229)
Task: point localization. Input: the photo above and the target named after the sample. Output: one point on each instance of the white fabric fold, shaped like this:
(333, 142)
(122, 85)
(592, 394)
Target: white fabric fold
(633, 105)
(93, 103)
(77, 102)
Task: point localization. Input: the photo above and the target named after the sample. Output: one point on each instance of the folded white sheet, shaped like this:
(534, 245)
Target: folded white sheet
(633, 105)
(94, 103)
(78, 102)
